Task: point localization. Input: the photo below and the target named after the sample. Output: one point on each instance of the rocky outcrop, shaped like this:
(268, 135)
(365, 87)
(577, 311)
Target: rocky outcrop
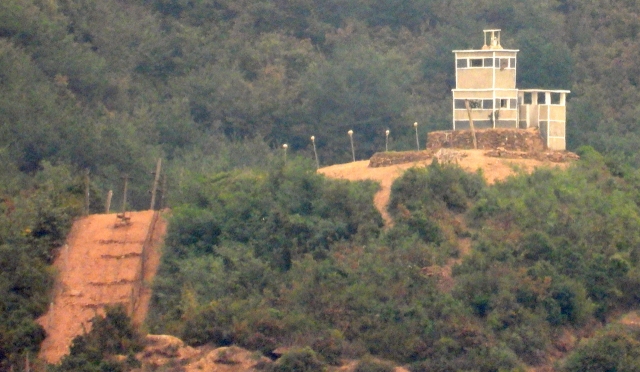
(168, 353)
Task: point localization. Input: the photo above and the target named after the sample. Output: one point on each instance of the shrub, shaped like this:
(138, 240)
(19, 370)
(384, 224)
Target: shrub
(204, 328)
(329, 346)
(568, 303)
(110, 335)
(614, 349)
(258, 341)
(298, 360)
(436, 186)
(371, 365)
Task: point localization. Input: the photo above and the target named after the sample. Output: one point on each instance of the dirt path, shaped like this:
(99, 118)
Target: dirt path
(494, 169)
(101, 264)
(360, 170)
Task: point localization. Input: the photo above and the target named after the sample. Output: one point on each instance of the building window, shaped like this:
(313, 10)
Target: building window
(542, 98)
(475, 103)
(506, 103)
(503, 63)
(527, 98)
(458, 104)
(555, 98)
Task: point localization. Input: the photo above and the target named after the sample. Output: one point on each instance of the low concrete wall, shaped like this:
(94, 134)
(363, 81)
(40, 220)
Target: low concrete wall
(508, 139)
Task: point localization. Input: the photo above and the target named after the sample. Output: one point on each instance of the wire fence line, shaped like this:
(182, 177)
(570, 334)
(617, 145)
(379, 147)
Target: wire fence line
(139, 284)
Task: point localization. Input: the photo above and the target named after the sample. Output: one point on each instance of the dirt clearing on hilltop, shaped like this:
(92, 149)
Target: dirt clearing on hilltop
(494, 169)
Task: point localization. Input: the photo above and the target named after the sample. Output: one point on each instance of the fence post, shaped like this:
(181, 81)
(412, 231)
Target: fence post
(124, 194)
(86, 192)
(155, 184)
(107, 206)
(50, 320)
(163, 191)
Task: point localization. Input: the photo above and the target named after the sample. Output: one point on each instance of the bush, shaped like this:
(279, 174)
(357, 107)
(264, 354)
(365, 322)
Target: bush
(203, 329)
(110, 335)
(329, 346)
(258, 341)
(614, 349)
(298, 360)
(371, 365)
(568, 303)
(436, 186)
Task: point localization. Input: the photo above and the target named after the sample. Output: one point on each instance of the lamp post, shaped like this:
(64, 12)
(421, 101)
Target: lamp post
(415, 125)
(285, 147)
(386, 141)
(313, 141)
(353, 152)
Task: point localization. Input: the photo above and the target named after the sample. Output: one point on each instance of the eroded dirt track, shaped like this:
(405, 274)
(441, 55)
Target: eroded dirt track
(104, 262)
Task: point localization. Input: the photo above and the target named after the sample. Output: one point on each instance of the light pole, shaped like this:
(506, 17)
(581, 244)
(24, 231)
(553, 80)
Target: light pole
(353, 152)
(386, 141)
(313, 141)
(285, 146)
(415, 125)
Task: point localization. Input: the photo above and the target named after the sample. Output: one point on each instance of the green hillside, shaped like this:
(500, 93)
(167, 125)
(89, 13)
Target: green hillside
(110, 85)
(216, 87)
(264, 259)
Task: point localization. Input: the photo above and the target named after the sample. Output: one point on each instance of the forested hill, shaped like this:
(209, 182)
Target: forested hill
(211, 86)
(112, 84)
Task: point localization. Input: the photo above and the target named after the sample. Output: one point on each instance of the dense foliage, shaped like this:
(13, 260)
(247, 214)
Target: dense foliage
(213, 86)
(552, 250)
(613, 349)
(33, 223)
(111, 85)
(110, 335)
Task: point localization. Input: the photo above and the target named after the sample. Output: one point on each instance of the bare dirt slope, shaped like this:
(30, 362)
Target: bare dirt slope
(494, 169)
(104, 262)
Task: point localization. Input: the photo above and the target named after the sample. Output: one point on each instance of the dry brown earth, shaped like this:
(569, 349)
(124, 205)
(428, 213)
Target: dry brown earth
(101, 264)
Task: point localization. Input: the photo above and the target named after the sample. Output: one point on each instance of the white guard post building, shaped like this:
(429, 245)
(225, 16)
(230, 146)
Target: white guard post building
(486, 93)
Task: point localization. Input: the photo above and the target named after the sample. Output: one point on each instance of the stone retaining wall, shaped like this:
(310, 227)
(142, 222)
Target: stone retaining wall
(500, 143)
(551, 155)
(509, 139)
(385, 159)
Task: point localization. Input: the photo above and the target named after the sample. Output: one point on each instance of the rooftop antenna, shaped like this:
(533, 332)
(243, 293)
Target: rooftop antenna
(491, 39)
